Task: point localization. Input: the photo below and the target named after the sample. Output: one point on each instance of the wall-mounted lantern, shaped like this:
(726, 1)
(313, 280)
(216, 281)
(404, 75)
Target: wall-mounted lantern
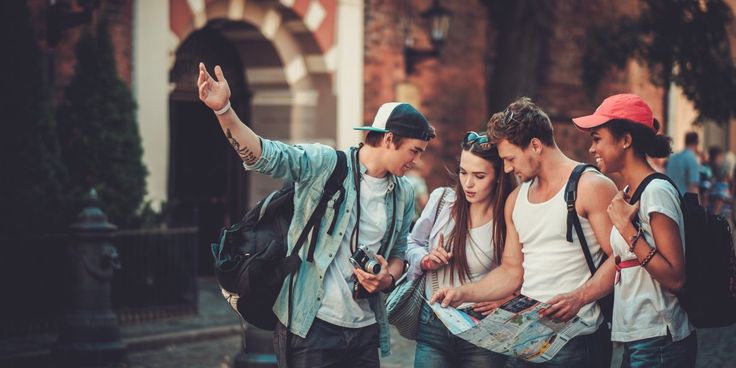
(438, 18)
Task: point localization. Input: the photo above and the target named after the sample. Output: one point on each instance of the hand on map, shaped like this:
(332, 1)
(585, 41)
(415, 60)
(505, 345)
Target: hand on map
(563, 307)
(447, 296)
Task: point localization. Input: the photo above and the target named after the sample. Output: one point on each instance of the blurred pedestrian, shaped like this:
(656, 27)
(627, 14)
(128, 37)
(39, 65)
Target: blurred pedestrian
(683, 167)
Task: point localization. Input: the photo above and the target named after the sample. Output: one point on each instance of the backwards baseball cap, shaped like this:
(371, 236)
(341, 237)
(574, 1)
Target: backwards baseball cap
(401, 119)
(622, 106)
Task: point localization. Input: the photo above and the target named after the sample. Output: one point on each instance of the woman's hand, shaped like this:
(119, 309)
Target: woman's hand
(621, 212)
(437, 258)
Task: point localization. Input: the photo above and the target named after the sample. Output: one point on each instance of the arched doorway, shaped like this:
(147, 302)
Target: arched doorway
(207, 185)
(287, 60)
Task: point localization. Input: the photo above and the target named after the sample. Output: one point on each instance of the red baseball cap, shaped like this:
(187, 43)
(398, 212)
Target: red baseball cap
(622, 106)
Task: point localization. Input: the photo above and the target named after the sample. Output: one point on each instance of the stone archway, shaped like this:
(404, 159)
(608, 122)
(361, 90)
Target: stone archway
(287, 51)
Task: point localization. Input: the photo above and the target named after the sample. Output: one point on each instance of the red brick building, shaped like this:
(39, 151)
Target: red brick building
(312, 69)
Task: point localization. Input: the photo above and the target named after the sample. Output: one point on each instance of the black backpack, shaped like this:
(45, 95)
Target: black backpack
(251, 256)
(709, 295)
(573, 222)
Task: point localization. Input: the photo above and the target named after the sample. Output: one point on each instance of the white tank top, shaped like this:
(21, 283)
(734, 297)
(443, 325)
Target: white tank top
(552, 265)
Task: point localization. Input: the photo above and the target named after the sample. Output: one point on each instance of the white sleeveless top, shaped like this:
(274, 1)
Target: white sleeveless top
(478, 252)
(552, 265)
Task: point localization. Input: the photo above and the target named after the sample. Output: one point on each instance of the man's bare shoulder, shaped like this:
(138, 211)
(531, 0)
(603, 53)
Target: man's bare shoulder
(594, 186)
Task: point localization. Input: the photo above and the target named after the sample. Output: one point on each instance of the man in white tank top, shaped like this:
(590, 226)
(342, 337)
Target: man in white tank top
(537, 257)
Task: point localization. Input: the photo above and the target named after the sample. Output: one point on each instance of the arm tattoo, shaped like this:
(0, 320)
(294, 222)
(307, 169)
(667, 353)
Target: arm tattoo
(245, 154)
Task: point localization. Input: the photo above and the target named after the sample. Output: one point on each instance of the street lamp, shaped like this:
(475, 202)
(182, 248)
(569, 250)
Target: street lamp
(62, 15)
(439, 21)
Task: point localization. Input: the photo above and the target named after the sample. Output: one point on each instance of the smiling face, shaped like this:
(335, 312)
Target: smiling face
(522, 162)
(607, 150)
(477, 177)
(399, 160)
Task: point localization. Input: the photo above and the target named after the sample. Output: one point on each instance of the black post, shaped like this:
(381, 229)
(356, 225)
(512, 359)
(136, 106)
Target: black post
(90, 334)
(257, 350)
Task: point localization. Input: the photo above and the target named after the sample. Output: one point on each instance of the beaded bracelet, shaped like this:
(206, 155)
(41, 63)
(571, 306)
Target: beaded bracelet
(649, 257)
(634, 238)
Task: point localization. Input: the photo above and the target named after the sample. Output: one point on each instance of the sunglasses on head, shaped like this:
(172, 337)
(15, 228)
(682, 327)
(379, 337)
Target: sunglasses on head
(508, 116)
(474, 138)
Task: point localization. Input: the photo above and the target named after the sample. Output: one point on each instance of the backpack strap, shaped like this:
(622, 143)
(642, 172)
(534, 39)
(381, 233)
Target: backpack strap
(639, 190)
(332, 186)
(643, 185)
(571, 194)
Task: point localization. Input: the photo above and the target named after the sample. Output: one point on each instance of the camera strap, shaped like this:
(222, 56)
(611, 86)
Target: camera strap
(354, 238)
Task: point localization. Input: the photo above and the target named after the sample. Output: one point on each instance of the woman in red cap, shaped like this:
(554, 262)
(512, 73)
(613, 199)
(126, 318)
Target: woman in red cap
(648, 239)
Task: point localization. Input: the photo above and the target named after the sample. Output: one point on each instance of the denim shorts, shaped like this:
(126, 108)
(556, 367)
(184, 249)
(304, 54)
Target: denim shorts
(661, 351)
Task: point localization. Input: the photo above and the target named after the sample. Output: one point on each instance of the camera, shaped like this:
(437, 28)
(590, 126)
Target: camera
(365, 260)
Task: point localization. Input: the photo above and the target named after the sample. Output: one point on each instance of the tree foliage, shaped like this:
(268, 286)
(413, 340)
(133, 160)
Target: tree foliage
(99, 135)
(31, 193)
(681, 41)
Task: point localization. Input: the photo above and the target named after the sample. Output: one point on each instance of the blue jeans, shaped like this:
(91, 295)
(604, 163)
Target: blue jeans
(661, 352)
(438, 347)
(327, 346)
(583, 351)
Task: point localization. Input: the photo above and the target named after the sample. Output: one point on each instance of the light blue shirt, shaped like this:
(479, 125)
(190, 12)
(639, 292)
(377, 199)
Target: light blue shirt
(309, 166)
(684, 170)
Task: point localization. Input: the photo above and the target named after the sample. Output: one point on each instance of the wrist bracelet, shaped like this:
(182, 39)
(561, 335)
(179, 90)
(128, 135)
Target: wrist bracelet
(391, 287)
(634, 238)
(223, 110)
(649, 257)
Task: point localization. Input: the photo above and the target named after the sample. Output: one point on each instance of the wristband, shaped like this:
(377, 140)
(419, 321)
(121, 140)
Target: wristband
(391, 287)
(223, 110)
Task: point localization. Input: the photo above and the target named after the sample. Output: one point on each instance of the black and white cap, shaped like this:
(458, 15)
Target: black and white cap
(401, 119)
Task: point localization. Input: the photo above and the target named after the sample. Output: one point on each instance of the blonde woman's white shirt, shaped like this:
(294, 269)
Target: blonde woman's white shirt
(643, 308)
(426, 233)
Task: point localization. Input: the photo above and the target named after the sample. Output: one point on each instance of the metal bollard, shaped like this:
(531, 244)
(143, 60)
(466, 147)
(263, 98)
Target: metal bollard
(90, 333)
(257, 350)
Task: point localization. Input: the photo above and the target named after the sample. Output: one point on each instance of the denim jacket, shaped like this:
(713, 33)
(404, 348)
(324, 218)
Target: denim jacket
(309, 166)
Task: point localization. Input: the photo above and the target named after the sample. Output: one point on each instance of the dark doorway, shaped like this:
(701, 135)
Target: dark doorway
(207, 184)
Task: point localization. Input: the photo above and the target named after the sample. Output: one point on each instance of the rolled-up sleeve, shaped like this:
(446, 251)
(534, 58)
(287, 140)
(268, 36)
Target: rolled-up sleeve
(293, 162)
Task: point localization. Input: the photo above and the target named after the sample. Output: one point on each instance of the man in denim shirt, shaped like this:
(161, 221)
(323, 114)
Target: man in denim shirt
(339, 318)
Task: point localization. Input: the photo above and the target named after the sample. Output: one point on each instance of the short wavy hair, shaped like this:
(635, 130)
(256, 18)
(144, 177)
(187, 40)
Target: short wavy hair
(521, 122)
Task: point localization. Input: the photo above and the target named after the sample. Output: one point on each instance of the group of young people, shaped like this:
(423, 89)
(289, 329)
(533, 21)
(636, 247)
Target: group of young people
(501, 230)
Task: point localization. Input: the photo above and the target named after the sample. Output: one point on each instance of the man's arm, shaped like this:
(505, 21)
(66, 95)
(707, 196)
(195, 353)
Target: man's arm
(503, 281)
(216, 95)
(594, 196)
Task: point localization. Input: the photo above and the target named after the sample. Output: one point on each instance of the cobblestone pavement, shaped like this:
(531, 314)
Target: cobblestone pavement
(717, 348)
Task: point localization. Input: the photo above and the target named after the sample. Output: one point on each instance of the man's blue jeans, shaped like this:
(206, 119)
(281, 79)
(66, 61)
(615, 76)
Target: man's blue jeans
(438, 347)
(580, 352)
(661, 352)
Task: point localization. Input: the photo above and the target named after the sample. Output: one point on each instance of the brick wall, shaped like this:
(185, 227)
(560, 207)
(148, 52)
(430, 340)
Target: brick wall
(450, 90)
(119, 14)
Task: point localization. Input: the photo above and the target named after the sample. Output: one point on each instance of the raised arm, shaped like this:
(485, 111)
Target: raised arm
(216, 95)
(500, 283)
